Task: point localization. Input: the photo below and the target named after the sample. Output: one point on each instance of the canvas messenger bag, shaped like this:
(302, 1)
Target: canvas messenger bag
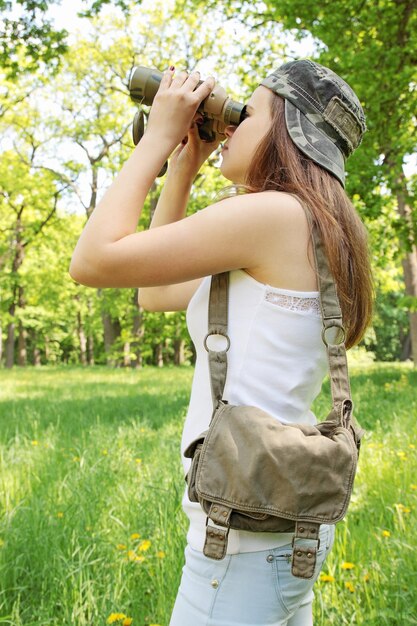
(251, 472)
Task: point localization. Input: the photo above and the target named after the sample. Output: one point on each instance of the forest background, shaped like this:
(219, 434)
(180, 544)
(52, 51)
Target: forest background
(65, 131)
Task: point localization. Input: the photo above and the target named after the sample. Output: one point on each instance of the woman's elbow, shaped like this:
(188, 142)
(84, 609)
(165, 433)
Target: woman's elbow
(147, 300)
(81, 273)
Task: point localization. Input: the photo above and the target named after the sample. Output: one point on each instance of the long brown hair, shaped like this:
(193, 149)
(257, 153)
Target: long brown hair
(279, 165)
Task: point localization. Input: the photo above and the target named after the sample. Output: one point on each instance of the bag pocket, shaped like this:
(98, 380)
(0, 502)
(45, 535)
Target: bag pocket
(192, 473)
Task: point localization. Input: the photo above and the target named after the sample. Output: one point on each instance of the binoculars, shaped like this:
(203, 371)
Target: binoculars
(218, 110)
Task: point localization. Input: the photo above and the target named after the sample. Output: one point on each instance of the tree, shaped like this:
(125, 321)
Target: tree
(27, 204)
(28, 38)
(373, 45)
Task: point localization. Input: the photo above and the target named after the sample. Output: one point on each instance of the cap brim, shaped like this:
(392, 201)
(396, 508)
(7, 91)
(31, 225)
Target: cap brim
(313, 142)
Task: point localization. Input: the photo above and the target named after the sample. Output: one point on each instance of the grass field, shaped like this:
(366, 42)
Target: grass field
(91, 481)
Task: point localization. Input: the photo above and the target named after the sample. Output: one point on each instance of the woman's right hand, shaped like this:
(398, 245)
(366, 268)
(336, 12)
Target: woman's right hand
(190, 155)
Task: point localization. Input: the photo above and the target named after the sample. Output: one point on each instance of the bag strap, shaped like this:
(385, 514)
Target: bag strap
(332, 319)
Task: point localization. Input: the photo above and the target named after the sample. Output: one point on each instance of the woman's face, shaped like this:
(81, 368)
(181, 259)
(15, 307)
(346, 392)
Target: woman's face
(243, 140)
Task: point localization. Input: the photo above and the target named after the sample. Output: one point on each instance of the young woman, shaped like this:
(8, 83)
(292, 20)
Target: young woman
(301, 124)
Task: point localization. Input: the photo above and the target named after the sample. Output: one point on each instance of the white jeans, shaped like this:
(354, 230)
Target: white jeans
(247, 589)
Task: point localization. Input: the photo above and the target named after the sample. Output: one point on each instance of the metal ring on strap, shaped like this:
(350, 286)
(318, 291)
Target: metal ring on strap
(216, 332)
(340, 341)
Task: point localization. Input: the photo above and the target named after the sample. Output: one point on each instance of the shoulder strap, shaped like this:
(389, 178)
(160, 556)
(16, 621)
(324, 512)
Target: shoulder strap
(331, 316)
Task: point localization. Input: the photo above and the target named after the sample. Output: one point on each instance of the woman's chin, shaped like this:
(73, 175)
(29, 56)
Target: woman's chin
(233, 178)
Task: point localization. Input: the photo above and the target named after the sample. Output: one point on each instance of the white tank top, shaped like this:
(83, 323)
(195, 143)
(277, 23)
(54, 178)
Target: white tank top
(277, 362)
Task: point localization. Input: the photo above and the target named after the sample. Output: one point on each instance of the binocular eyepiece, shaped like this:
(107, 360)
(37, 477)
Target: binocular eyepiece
(218, 110)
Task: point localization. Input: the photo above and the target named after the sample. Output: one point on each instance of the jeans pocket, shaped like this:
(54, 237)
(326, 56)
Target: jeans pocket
(293, 591)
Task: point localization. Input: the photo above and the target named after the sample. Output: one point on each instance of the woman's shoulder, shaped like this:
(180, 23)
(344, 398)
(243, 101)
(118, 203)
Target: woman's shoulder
(280, 207)
(270, 216)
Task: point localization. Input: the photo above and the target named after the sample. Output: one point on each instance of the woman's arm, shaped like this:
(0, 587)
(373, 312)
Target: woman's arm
(231, 234)
(117, 214)
(171, 207)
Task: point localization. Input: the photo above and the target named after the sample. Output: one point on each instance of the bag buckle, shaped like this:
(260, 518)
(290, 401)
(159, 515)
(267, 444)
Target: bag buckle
(215, 545)
(304, 557)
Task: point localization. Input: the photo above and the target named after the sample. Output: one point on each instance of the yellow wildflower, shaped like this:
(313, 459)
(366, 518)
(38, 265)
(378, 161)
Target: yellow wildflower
(413, 487)
(135, 536)
(121, 546)
(402, 508)
(34, 442)
(127, 621)
(386, 533)
(76, 459)
(160, 554)
(366, 578)
(139, 559)
(402, 455)
(144, 545)
(131, 555)
(60, 514)
(412, 446)
(349, 586)
(326, 578)
(138, 461)
(347, 565)
(115, 617)
(105, 452)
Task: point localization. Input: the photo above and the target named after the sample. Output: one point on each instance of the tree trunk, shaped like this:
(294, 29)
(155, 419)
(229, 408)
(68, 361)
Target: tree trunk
(410, 277)
(90, 337)
(179, 357)
(36, 356)
(111, 332)
(409, 261)
(126, 354)
(138, 332)
(159, 357)
(82, 339)
(46, 339)
(22, 337)
(90, 349)
(406, 348)
(10, 339)
(21, 346)
(19, 253)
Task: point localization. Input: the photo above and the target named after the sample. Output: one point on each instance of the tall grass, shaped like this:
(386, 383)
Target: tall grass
(90, 494)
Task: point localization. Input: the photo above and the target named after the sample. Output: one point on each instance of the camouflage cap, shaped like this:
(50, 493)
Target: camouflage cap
(323, 114)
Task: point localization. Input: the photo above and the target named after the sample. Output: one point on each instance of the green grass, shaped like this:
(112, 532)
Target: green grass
(89, 458)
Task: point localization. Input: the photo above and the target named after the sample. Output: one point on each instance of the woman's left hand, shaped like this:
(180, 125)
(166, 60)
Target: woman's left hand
(192, 151)
(175, 105)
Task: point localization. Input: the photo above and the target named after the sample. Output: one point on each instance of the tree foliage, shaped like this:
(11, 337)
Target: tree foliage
(64, 137)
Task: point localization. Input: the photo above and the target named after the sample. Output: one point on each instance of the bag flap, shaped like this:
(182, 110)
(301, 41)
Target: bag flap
(293, 471)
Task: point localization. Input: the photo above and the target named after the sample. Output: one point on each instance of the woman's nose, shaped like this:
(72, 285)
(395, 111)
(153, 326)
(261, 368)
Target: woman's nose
(229, 130)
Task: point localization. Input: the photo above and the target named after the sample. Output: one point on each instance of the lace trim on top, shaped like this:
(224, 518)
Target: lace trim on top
(301, 304)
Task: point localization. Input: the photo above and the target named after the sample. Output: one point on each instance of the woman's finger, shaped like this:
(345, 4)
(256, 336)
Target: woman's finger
(205, 88)
(179, 79)
(166, 79)
(192, 81)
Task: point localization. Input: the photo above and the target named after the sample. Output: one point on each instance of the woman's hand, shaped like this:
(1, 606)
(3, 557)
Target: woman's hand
(175, 105)
(192, 151)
